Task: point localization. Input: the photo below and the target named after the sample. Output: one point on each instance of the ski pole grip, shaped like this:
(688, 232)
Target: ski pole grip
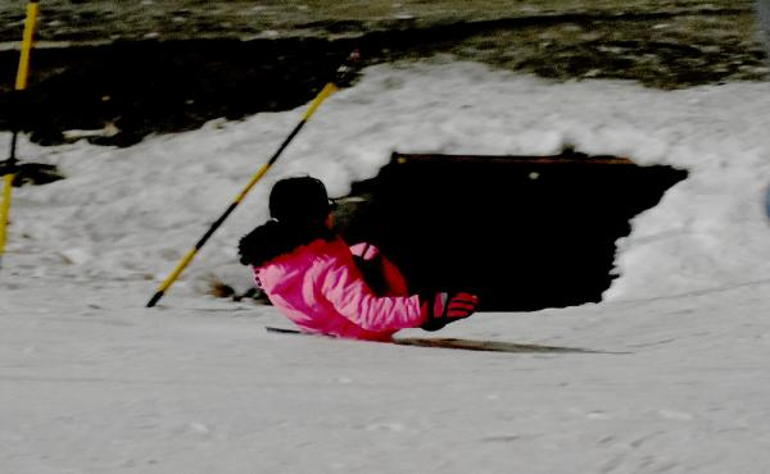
(347, 68)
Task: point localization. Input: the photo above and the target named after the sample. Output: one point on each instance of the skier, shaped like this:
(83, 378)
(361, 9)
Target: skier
(313, 278)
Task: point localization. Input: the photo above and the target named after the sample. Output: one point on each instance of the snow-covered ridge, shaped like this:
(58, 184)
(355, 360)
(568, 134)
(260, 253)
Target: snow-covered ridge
(127, 214)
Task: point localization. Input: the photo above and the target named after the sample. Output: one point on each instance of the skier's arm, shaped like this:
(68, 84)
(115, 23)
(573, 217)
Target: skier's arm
(393, 280)
(342, 285)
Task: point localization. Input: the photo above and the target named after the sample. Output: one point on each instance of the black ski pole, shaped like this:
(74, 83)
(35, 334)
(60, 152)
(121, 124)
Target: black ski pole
(331, 87)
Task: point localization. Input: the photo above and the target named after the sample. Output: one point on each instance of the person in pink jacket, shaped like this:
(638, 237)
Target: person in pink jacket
(316, 280)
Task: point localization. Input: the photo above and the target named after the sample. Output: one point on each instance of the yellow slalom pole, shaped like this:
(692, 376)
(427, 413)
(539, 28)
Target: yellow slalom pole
(185, 261)
(5, 209)
(21, 83)
(26, 45)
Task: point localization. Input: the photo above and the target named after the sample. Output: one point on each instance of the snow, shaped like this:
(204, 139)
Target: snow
(93, 382)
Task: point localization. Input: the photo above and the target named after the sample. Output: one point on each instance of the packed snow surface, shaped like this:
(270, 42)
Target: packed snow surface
(676, 380)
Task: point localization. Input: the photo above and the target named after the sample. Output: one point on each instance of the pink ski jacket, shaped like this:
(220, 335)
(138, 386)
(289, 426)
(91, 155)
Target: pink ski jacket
(319, 287)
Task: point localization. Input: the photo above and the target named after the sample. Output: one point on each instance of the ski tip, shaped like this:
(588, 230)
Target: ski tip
(276, 330)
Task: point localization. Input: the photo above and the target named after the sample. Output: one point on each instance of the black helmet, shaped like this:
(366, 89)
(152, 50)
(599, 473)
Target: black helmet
(299, 200)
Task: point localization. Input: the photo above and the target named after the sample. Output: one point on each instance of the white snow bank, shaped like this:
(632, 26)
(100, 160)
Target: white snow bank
(92, 382)
(128, 214)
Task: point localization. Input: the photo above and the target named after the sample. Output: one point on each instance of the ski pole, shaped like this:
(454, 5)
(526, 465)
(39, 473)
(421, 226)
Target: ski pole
(331, 87)
(9, 167)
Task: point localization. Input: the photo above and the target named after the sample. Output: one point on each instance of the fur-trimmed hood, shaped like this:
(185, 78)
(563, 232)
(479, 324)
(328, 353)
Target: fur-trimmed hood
(274, 239)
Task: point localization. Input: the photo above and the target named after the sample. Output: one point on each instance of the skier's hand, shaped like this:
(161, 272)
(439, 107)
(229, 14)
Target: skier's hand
(444, 308)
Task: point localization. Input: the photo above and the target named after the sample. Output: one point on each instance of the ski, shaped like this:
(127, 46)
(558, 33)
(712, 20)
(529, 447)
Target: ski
(465, 344)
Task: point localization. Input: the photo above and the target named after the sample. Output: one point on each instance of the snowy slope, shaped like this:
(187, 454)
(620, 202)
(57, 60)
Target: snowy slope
(90, 381)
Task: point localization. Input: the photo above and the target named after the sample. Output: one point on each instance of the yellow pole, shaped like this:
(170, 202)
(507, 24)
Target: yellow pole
(5, 209)
(187, 258)
(26, 45)
(21, 83)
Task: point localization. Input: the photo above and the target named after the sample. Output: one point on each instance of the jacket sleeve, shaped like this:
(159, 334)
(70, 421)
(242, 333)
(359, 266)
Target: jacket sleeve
(392, 278)
(343, 286)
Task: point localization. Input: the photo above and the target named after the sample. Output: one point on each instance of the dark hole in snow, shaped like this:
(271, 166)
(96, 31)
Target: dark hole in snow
(523, 232)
